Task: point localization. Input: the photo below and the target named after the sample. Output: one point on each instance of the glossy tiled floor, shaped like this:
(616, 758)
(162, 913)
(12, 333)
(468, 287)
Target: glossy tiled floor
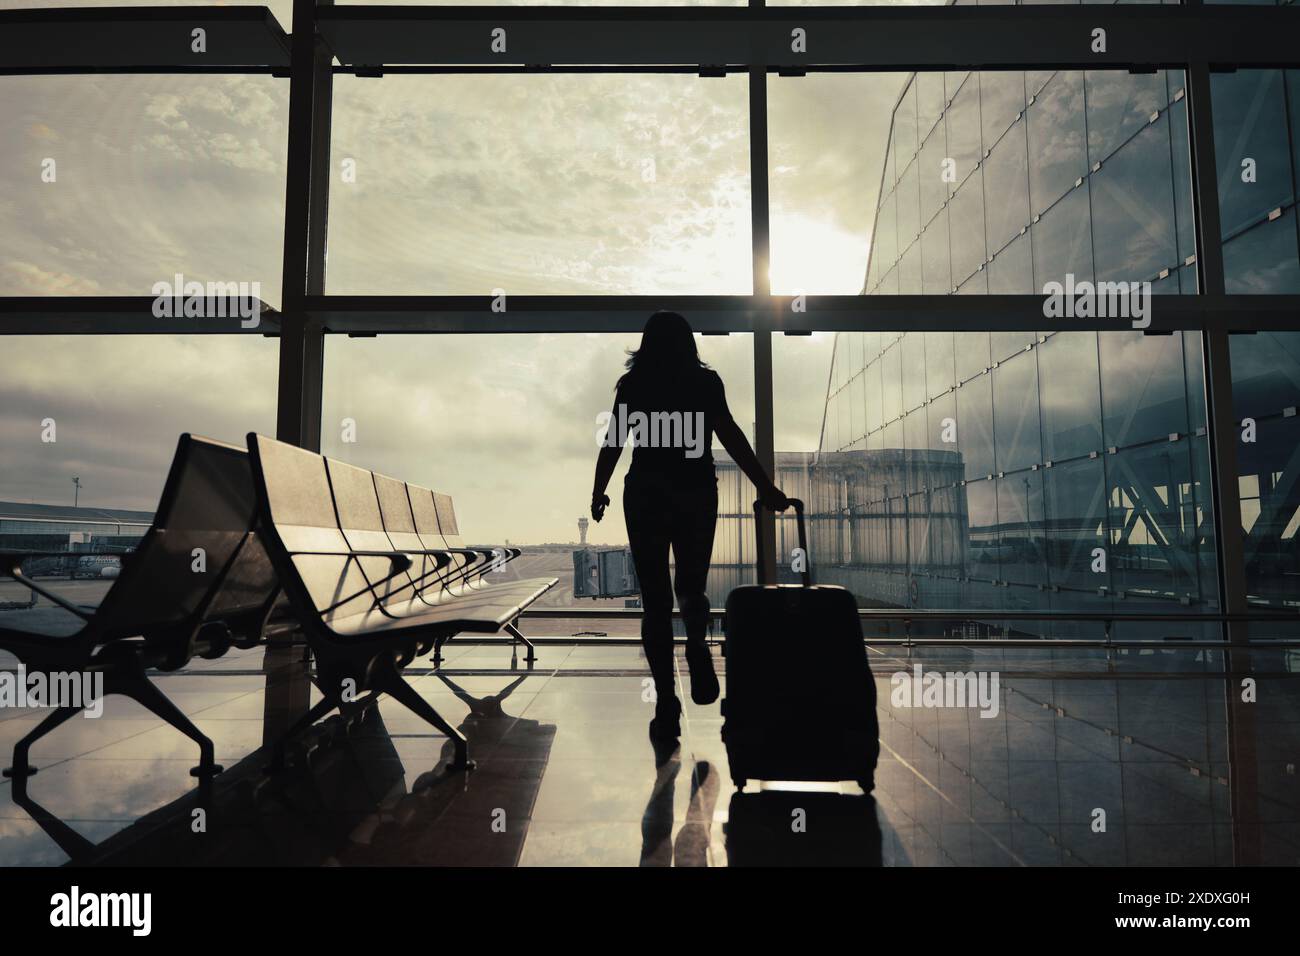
(1129, 760)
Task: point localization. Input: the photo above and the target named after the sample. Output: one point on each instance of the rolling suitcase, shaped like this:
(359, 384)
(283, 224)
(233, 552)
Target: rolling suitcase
(800, 699)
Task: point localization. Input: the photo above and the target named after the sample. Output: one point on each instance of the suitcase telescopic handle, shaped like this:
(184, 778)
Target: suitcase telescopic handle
(803, 538)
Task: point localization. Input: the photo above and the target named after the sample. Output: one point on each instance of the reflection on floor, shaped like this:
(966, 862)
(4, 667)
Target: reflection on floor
(1126, 759)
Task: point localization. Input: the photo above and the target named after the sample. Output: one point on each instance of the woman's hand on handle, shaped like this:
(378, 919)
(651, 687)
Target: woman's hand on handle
(774, 498)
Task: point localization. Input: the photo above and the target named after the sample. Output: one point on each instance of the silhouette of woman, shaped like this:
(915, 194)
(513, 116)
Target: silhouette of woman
(671, 404)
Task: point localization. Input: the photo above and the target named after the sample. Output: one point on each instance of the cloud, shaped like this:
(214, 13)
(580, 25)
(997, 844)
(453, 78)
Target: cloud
(26, 278)
(534, 184)
(154, 175)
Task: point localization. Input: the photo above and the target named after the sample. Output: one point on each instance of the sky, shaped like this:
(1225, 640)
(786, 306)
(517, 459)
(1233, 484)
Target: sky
(534, 184)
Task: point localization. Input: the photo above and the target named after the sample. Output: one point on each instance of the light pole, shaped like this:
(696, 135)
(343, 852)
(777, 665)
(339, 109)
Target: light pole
(76, 494)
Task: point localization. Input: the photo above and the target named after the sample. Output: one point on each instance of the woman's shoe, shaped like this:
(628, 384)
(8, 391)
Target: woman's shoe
(667, 722)
(704, 682)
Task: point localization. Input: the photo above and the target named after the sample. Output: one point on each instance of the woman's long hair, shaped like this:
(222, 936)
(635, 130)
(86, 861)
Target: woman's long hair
(667, 349)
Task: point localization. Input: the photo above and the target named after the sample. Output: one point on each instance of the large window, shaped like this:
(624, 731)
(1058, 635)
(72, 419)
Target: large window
(88, 427)
(536, 185)
(109, 409)
(112, 186)
(826, 152)
(519, 467)
(1044, 470)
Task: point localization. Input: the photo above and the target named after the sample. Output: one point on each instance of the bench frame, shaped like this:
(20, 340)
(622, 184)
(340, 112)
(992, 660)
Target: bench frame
(123, 658)
(372, 665)
(368, 664)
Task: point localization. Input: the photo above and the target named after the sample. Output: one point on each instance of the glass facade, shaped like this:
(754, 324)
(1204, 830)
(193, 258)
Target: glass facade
(1266, 394)
(1257, 150)
(1028, 176)
(1057, 470)
(973, 470)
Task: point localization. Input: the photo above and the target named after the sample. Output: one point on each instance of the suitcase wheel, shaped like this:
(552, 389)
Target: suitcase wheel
(739, 782)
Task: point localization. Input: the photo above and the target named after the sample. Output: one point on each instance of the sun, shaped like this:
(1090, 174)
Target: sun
(815, 257)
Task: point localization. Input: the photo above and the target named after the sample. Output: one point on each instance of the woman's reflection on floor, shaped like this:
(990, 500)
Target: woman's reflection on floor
(691, 848)
(766, 828)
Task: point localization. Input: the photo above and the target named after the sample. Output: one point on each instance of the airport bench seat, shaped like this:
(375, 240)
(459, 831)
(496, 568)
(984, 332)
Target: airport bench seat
(486, 614)
(376, 511)
(377, 574)
(198, 583)
(478, 610)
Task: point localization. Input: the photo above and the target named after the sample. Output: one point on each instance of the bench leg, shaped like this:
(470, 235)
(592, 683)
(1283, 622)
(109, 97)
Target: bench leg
(21, 769)
(531, 657)
(393, 684)
(143, 691)
(315, 713)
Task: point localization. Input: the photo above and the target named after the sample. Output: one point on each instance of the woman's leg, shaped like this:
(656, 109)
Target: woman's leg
(694, 519)
(648, 537)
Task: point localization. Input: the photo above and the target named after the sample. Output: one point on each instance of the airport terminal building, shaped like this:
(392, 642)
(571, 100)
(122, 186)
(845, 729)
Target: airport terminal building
(32, 527)
(1062, 470)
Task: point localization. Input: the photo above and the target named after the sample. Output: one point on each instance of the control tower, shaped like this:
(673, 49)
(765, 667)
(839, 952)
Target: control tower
(582, 530)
